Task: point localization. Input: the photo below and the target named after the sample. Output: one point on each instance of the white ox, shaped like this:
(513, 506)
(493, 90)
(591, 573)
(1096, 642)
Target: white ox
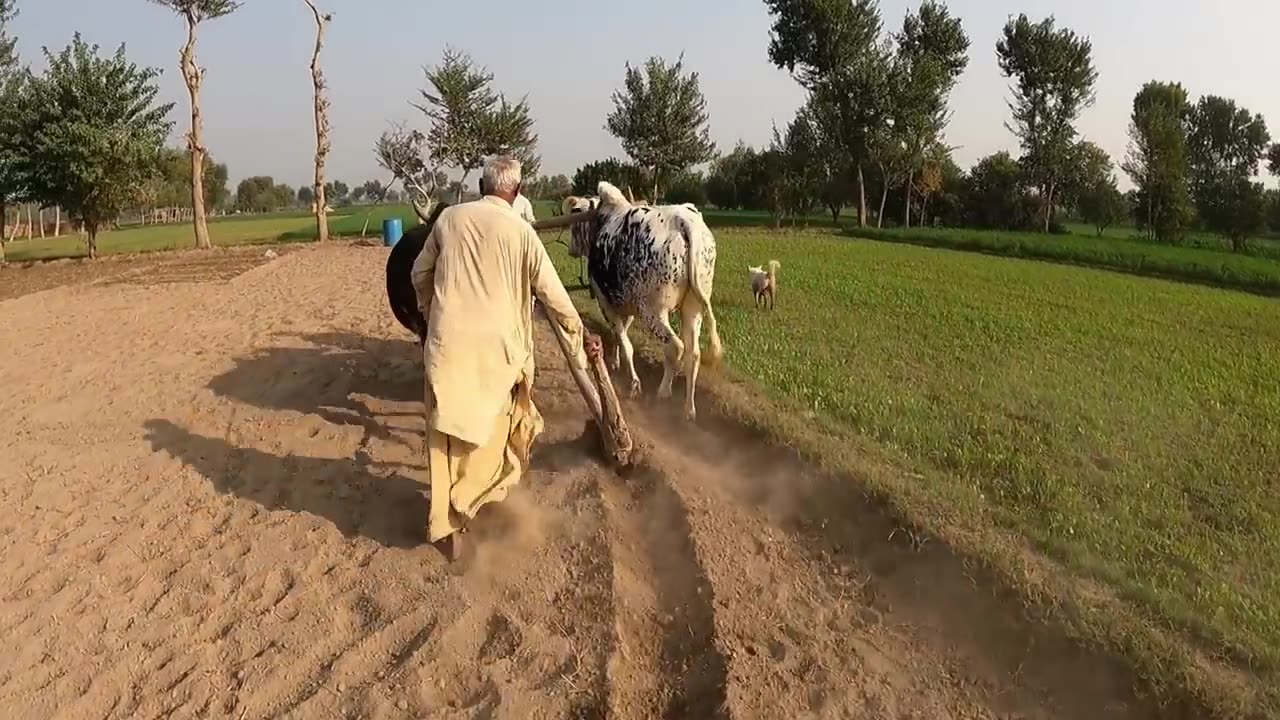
(649, 260)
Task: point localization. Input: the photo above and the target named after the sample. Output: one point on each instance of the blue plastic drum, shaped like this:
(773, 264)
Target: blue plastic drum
(392, 230)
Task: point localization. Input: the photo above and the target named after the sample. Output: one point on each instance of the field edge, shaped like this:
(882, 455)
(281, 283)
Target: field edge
(1177, 669)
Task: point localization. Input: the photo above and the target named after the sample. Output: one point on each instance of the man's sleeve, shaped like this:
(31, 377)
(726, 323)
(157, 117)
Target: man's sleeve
(424, 269)
(548, 288)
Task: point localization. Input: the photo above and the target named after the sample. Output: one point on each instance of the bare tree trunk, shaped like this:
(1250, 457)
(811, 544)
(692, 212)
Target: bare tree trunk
(194, 76)
(4, 222)
(57, 221)
(654, 198)
(907, 191)
(322, 123)
(884, 196)
(1048, 207)
(862, 198)
(40, 217)
(92, 233)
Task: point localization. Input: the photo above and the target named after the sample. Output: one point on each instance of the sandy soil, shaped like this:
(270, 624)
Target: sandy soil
(211, 505)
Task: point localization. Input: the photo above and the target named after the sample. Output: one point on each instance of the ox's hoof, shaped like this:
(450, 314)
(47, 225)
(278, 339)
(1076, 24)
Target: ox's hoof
(636, 390)
(664, 392)
(691, 414)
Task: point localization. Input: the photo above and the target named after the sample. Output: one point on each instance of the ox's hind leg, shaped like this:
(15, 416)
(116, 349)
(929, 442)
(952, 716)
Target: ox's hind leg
(660, 323)
(691, 330)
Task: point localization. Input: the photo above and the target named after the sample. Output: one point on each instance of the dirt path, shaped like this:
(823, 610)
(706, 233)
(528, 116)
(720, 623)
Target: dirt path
(211, 507)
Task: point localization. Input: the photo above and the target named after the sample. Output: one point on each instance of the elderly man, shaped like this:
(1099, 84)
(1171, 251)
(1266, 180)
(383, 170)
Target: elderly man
(475, 278)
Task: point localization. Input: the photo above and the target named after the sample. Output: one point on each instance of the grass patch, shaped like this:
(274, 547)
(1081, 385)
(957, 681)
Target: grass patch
(1255, 273)
(1128, 428)
(228, 230)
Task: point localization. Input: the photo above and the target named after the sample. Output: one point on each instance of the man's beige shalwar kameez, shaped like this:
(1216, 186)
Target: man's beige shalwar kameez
(475, 278)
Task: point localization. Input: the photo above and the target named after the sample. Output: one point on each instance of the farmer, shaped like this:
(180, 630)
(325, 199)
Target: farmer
(475, 280)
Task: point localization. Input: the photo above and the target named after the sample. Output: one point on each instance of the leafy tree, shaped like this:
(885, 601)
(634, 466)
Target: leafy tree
(358, 194)
(997, 195)
(1156, 160)
(194, 12)
(1103, 205)
(687, 187)
(623, 175)
(832, 48)
(726, 182)
(1054, 78)
(261, 194)
(470, 121)
(1090, 167)
(337, 192)
(371, 190)
(12, 185)
(1273, 210)
(1273, 159)
(403, 153)
(556, 187)
(306, 196)
(172, 187)
(93, 132)
(932, 53)
(1225, 145)
(661, 119)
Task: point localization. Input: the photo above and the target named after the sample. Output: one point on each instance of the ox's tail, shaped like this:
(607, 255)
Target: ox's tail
(774, 267)
(693, 248)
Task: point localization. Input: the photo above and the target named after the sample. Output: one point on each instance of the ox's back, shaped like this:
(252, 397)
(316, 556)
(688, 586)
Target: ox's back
(638, 254)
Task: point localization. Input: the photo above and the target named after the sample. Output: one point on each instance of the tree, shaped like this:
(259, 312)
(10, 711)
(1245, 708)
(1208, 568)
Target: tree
(306, 196)
(337, 192)
(194, 12)
(832, 48)
(726, 182)
(661, 119)
(173, 184)
(323, 145)
(1273, 210)
(470, 121)
(1103, 205)
(1054, 79)
(1156, 160)
(1225, 145)
(623, 175)
(932, 54)
(12, 185)
(1088, 168)
(1273, 159)
(402, 152)
(93, 132)
(997, 196)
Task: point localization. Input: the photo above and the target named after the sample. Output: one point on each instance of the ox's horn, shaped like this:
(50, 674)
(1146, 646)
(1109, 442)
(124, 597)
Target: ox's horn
(564, 221)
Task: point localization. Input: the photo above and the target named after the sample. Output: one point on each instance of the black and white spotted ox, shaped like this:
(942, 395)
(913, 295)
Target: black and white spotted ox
(650, 261)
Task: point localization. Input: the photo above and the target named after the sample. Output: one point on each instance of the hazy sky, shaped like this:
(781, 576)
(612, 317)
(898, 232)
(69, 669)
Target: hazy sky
(568, 56)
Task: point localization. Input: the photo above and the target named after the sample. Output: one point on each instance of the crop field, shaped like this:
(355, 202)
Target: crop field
(1129, 427)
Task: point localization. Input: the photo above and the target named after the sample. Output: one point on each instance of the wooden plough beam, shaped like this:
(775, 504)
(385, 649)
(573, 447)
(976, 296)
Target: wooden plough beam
(598, 392)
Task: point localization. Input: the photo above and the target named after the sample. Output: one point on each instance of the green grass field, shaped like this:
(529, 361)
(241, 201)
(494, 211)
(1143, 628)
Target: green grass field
(1129, 427)
(225, 231)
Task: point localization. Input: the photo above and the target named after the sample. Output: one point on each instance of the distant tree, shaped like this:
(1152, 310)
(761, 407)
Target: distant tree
(997, 195)
(1053, 82)
(337, 193)
(1272, 201)
(257, 194)
(1088, 167)
(392, 196)
(403, 153)
(832, 48)
(13, 187)
(622, 175)
(358, 194)
(661, 119)
(1225, 145)
(107, 105)
(321, 112)
(173, 184)
(556, 187)
(194, 12)
(932, 53)
(1156, 160)
(726, 181)
(687, 187)
(306, 196)
(470, 121)
(1103, 205)
(1273, 159)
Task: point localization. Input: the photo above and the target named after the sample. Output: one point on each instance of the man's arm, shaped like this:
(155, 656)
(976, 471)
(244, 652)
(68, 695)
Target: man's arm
(424, 270)
(548, 288)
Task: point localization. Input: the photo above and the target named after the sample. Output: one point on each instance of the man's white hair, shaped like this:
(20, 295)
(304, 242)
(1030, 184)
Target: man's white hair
(502, 174)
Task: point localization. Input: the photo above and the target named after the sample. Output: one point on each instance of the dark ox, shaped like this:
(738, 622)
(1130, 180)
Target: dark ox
(400, 292)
